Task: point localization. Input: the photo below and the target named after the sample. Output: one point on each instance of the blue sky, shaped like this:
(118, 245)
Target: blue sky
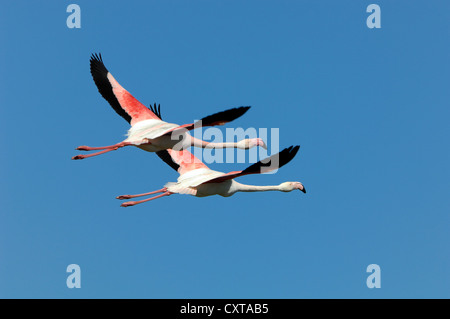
(369, 108)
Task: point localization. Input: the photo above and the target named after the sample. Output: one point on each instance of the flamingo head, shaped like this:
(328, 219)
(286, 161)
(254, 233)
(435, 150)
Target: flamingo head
(290, 186)
(252, 142)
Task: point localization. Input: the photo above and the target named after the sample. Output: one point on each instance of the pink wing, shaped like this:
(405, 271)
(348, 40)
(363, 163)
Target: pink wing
(120, 99)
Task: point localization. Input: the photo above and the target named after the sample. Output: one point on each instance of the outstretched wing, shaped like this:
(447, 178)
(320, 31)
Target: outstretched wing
(120, 99)
(219, 118)
(267, 165)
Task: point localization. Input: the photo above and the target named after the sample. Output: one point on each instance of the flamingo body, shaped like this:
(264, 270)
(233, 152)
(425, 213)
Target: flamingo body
(151, 135)
(148, 131)
(200, 181)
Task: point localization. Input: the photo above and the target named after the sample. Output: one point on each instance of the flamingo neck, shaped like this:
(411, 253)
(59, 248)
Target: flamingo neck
(203, 144)
(254, 188)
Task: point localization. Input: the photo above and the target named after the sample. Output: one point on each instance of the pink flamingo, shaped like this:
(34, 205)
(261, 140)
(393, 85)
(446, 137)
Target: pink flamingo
(198, 180)
(148, 131)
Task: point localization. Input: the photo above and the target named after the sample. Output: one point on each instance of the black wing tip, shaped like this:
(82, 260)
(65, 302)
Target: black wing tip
(96, 63)
(96, 57)
(245, 108)
(241, 110)
(100, 76)
(225, 116)
(235, 113)
(288, 154)
(282, 158)
(156, 110)
(293, 149)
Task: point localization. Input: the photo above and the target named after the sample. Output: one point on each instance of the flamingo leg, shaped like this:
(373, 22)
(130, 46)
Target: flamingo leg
(106, 148)
(88, 148)
(79, 157)
(126, 204)
(144, 194)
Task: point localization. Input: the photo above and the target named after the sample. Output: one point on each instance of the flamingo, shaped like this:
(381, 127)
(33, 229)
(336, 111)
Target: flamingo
(198, 180)
(148, 131)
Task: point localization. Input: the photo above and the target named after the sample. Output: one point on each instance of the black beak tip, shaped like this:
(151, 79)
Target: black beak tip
(304, 190)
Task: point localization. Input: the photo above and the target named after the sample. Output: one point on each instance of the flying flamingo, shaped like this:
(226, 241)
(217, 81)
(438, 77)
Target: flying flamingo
(148, 131)
(198, 180)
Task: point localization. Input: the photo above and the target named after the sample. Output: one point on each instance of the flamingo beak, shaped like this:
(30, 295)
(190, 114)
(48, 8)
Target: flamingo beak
(303, 190)
(262, 144)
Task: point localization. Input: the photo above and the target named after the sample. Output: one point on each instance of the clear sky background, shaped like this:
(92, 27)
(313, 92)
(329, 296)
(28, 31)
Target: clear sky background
(369, 107)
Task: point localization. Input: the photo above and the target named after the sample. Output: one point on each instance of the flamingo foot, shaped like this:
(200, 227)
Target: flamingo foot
(124, 197)
(126, 204)
(79, 157)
